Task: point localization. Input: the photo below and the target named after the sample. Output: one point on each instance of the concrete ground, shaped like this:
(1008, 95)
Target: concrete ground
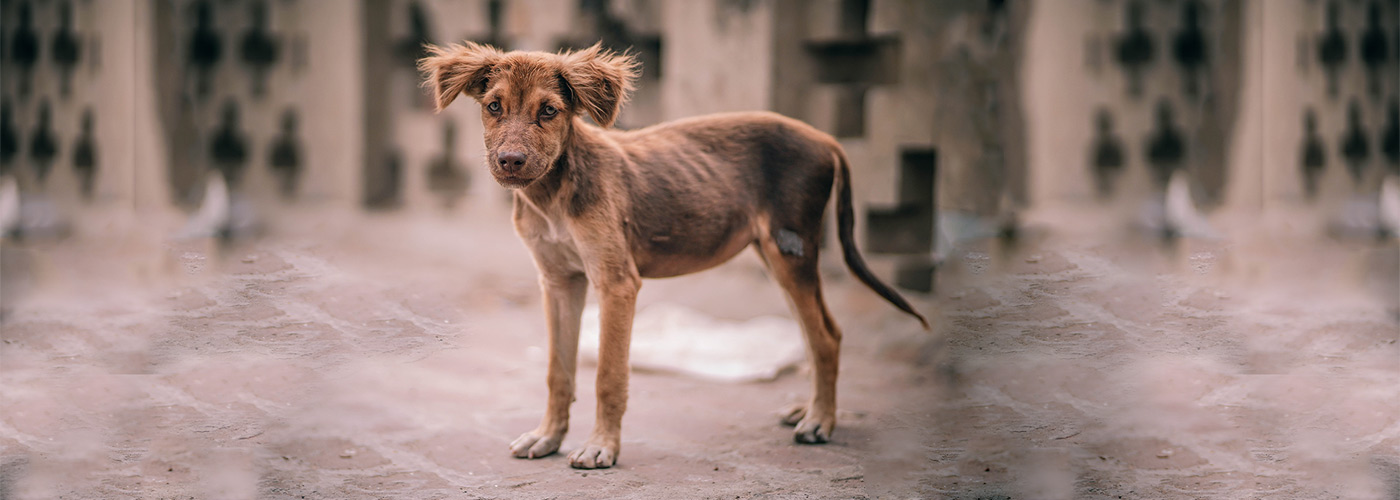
(396, 356)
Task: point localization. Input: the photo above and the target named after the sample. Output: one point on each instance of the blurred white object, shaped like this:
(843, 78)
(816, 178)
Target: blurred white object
(1181, 209)
(1390, 205)
(9, 206)
(213, 214)
(670, 338)
(1174, 211)
(33, 215)
(221, 214)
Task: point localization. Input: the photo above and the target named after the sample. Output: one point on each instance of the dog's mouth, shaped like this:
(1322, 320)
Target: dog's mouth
(513, 181)
(518, 178)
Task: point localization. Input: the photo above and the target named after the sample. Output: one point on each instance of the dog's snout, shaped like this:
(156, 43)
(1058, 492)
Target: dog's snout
(511, 161)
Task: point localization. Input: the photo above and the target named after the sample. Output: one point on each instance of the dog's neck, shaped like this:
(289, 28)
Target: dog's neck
(573, 162)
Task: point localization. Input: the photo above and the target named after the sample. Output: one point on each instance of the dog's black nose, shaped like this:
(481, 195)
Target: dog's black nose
(511, 161)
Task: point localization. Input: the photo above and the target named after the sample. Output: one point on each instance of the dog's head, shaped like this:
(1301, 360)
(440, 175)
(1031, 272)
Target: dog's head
(529, 100)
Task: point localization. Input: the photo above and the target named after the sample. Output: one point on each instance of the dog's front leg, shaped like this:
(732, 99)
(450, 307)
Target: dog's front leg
(563, 302)
(617, 294)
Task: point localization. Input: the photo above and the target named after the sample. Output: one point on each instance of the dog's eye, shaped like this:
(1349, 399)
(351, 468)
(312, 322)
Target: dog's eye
(549, 110)
(494, 107)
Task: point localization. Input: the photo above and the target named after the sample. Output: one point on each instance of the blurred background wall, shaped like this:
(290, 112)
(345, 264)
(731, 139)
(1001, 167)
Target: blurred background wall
(959, 116)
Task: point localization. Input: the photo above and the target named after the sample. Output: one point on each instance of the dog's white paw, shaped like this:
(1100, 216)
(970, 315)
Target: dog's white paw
(814, 429)
(594, 455)
(535, 445)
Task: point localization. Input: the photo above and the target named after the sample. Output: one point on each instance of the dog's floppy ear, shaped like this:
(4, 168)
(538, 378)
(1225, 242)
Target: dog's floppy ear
(601, 81)
(456, 69)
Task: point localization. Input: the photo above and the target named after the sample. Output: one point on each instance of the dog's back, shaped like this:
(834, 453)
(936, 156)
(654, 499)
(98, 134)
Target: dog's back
(699, 188)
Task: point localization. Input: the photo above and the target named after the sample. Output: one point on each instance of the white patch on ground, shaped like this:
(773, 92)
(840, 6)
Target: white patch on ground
(671, 338)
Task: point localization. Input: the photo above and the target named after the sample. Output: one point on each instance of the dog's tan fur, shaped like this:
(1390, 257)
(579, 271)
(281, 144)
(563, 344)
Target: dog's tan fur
(610, 207)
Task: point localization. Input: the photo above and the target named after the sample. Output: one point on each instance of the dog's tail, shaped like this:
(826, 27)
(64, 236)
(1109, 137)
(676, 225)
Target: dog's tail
(845, 225)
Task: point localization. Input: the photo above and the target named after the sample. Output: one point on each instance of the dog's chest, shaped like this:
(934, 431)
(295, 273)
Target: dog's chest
(548, 238)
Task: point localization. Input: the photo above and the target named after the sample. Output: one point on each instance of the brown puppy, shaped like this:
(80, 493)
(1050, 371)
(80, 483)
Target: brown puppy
(610, 208)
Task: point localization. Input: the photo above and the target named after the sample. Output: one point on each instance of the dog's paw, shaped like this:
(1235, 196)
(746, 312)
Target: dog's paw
(814, 429)
(594, 455)
(534, 444)
(792, 414)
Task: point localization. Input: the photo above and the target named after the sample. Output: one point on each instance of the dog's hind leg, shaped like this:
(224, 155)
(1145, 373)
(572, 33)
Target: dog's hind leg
(563, 302)
(795, 269)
